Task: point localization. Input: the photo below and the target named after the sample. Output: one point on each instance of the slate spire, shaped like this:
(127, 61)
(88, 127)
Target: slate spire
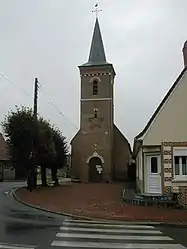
(97, 52)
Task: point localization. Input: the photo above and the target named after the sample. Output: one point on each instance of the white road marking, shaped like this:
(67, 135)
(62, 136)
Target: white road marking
(15, 246)
(80, 244)
(100, 230)
(111, 237)
(94, 224)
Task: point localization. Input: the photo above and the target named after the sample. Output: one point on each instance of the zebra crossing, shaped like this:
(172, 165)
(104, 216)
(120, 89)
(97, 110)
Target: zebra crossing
(92, 234)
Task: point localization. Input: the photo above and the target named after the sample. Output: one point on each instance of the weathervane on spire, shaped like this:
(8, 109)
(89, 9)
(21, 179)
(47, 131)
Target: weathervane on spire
(97, 10)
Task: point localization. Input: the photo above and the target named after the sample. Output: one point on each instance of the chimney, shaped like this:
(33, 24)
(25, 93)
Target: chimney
(185, 54)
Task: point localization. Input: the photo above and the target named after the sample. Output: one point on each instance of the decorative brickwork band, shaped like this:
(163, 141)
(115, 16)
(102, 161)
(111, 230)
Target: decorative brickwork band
(167, 152)
(167, 143)
(167, 163)
(94, 74)
(167, 160)
(167, 179)
(167, 170)
(167, 157)
(182, 196)
(168, 184)
(167, 166)
(167, 189)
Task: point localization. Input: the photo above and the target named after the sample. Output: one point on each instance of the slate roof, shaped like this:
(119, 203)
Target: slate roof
(97, 53)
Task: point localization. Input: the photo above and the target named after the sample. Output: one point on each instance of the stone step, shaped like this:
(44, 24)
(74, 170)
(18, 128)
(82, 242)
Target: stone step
(149, 200)
(154, 197)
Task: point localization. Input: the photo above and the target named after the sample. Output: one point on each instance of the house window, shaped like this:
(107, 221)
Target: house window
(180, 163)
(95, 87)
(180, 167)
(154, 165)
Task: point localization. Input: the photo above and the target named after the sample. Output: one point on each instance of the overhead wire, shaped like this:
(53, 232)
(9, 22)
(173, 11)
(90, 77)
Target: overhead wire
(58, 110)
(12, 83)
(48, 101)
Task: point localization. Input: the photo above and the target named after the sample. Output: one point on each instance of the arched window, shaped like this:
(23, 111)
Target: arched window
(95, 87)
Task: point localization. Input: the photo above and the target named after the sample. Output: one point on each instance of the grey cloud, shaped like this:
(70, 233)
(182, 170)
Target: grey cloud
(48, 39)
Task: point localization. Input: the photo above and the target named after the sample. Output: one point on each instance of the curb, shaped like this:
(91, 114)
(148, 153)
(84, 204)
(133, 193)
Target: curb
(13, 193)
(138, 222)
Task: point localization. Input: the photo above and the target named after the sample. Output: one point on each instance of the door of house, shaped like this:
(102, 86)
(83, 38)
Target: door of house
(154, 185)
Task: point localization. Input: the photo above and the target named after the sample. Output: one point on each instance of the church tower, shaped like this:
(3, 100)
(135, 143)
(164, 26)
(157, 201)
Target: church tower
(93, 145)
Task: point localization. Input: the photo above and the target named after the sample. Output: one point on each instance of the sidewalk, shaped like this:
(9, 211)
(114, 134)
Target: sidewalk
(98, 201)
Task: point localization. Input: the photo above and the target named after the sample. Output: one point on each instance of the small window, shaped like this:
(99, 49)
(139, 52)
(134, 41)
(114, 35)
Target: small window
(180, 166)
(154, 165)
(95, 87)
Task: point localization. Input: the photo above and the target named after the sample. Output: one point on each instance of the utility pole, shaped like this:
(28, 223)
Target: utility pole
(35, 97)
(35, 109)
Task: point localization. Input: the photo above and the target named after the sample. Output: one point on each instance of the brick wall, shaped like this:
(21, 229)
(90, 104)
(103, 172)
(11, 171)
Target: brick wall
(182, 196)
(167, 153)
(167, 165)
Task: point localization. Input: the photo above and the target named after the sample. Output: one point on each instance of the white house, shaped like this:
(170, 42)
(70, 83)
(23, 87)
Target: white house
(161, 148)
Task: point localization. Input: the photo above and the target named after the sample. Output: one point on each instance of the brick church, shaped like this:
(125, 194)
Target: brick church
(100, 152)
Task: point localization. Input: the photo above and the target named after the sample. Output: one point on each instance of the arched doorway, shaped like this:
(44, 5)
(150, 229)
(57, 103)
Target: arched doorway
(95, 169)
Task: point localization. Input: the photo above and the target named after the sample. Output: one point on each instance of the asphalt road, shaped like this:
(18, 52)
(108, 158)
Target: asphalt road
(22, 225)
(179, 234)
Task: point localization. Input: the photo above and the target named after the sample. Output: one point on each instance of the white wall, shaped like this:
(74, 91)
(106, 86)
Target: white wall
(171, 123)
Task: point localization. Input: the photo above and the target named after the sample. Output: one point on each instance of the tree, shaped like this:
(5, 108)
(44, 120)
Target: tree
(61, 150)
(45, 148)
(18, 128)
(34, 142)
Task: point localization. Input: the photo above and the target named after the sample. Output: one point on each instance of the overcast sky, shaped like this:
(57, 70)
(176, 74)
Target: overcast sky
(48, 39)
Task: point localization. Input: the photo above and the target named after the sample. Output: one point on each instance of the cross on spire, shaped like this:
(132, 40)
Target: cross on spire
(97, 10)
